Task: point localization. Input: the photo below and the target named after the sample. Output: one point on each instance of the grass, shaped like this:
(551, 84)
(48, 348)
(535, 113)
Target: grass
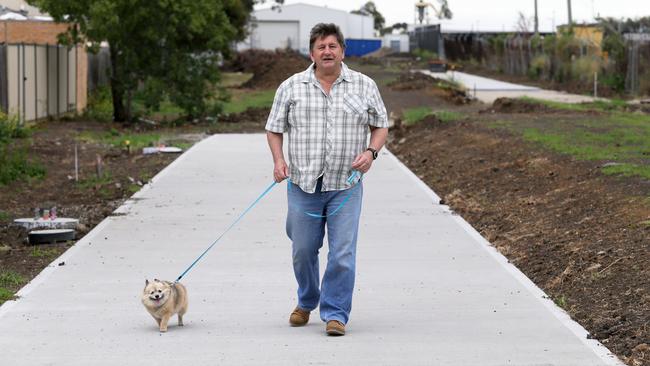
(95, 181)
(598, 105)
(14, 162)
(11, 279)
(234, 79)
(117, 139)
(415, 115)
(5, 295)
(37, 252)
(4, 216)
(628, 170)
(243, 100)
(611, 136)
(560, 301)
(14, 165)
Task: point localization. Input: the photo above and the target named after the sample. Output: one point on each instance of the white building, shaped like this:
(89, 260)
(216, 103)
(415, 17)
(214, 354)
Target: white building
(396, 42)
(289, 26)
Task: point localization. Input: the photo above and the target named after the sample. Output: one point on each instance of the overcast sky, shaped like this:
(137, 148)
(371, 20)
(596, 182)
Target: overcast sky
(496, 14)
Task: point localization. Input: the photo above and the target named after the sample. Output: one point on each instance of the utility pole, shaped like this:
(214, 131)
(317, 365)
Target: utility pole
(570, 18)
(536, 20)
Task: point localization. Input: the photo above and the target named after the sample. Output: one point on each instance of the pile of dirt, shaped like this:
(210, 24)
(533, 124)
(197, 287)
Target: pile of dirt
(510, 105)
(441, 88)
(269, 68)
(581, 236)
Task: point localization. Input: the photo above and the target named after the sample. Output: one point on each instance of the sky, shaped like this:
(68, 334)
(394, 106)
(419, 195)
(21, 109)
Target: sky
(496, 15)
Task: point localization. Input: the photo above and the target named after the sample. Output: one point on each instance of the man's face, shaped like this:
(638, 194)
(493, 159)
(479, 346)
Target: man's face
(327, 53)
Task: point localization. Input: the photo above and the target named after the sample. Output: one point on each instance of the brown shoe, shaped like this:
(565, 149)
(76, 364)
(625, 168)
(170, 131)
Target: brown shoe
(335, 328)
(298, 317)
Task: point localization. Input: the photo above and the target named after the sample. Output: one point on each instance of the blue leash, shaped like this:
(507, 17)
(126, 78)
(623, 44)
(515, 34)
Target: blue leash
(350, 180)
(228, 229)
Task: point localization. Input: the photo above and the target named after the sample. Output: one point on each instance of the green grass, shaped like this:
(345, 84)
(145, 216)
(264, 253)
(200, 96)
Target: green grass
(117, 139)
(561, 301)
(38, 252)
(14, 165)
(95, 181)
(599, 105)
(11, 279)
(234, 79)
(4, 216)
(415, 115)
(611, 136)
(628, 170)
(5, 295)
(449, 116)
(241, 101)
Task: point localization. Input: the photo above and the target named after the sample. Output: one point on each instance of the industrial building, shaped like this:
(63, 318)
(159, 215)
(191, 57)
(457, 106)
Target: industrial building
(288, 26)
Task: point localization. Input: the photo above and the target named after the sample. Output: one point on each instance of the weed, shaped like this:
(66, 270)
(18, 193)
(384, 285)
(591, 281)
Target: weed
(449, 116)
(14, 166)
(416, 114)
(4, 216)
(561, 301)
(11, 279)
(37, 252)
(242, 101)
(5, 295)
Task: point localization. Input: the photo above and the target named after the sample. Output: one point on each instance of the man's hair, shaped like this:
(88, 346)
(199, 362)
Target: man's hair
(322, 30)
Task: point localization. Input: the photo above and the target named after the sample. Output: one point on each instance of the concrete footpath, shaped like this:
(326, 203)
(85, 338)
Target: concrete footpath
(429, 291)
(488, 90)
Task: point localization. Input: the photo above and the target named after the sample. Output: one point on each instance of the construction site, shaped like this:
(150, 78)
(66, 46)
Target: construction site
(507, 220)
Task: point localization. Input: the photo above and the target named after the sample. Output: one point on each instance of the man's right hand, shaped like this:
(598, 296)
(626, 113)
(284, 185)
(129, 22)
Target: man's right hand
(280, 171)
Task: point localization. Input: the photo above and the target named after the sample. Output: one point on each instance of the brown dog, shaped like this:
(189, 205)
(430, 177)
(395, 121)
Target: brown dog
(163, 299)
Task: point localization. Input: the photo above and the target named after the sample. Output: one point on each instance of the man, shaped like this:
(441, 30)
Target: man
(326, 112)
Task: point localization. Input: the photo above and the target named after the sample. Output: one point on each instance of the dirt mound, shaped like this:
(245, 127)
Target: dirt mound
(438, 87)
(412, 81)
(509, 105)
(269, 68)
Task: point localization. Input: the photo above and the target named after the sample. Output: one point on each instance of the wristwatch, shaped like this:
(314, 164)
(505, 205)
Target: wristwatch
(374, 153)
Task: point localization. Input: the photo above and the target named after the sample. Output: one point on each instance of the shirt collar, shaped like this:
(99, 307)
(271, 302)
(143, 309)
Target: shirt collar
(309, 75)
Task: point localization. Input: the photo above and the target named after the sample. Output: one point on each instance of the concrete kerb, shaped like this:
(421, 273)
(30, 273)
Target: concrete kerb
(598, 348)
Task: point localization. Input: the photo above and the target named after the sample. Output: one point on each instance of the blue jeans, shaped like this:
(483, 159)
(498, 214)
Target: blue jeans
(306, 234)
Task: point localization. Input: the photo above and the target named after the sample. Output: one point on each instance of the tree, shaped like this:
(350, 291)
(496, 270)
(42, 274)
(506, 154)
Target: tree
(370, 8)
(173, 44)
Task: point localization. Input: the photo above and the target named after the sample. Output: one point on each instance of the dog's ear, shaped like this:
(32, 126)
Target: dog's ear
(146, 282)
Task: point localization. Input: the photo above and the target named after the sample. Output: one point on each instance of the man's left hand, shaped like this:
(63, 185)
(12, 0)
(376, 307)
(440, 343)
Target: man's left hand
(363, 162)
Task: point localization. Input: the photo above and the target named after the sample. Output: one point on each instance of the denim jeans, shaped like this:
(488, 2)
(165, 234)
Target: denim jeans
(307, 232)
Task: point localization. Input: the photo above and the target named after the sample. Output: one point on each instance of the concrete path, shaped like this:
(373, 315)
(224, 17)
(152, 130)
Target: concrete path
(487, 90)
(430, 290)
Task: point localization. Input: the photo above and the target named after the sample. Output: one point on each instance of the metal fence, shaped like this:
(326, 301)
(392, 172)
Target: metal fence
(576, 61)
(38, 81)
(99, 68)
(428, 38)
(637, 80)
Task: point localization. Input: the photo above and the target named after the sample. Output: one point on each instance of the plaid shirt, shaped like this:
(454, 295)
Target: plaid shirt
(325, 132)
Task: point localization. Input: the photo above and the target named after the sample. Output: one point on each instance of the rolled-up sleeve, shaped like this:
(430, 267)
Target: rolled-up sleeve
(277, 121)
(376, 108)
